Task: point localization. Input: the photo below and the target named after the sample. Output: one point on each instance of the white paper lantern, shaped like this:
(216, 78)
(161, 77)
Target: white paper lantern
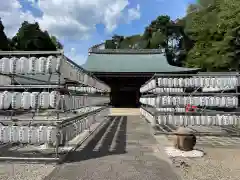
(160, 83)
(1, 65)
(5, 65)
(24, 65)
(202, 81)
(33, 66)
(4, 134)
(59, 65)
(164, 82)
(181, 82)
(170, 82)
(218, 82)
(16, 100)
(23, 134)
(42, 134)
(42, 65)
(44, 100)
(223, 102)
(202, 101)
(54, 99)
(14, 134)
(26, 100)
(198, 120)
(32, 135)
(231, 120)
(207, 102)
(13, 65)
(213, 82)
(1, 100)
(51, 134)
(218, 101)
(66, 102)
(197, 81)
(7, 99)
(207, 82)
(51, 64)
(229, 102)
(212, 101)
(181, 120)
(235, 101)
(175, 82)
(191, 82)
(35, 100)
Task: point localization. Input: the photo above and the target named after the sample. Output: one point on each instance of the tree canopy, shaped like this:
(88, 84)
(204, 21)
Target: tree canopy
(4, 45)
(208, 37)
(29, 38)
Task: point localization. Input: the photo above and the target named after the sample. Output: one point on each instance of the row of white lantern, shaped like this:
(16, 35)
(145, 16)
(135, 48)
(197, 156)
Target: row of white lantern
(167, 90)
(43, 134)
(149, 86)
(231, 81)
(87, 109)
(211, 101)
(48, 65)
(185, 120)
(45, 100)
(213, 82)
(148, 116)
(182, 120)
(26, 134)
(171, 109)
(30, 65)
(91, 90)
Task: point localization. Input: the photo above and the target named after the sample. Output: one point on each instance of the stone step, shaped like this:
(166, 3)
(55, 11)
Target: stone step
(124, 111)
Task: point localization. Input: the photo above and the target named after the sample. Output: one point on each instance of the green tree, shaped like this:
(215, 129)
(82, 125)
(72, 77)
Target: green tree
(206, 3)
(216, 32)
(57, 44)
(208, 37)
(110, 44)
(30, 37)
(192, 8)
(4, 43)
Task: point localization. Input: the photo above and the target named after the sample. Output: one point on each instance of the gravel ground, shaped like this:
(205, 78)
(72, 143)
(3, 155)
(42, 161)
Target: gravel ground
(217, 164)
(17, 171)
(220, 162)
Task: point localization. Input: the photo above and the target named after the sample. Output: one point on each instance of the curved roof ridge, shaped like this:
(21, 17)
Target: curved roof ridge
(125, 63)
(96, 46)
(125, 51)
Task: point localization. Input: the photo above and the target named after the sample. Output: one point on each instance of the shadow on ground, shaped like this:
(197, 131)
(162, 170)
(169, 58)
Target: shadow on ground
(111, 134)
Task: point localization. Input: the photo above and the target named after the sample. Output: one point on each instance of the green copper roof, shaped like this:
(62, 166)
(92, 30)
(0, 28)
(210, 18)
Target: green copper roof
(113, 62)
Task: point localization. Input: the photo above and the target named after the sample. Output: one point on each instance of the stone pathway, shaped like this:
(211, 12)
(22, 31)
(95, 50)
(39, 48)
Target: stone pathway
(123, 149)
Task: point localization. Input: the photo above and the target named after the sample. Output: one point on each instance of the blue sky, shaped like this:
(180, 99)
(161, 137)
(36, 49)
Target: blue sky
(79, 24)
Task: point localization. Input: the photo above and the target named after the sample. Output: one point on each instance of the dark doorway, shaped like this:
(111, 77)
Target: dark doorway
(124, 88)
(125, 97)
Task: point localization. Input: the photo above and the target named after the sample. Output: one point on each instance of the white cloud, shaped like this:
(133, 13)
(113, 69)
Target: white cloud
(12, 16)
(134, 13)
(71, 19)
(78, 18)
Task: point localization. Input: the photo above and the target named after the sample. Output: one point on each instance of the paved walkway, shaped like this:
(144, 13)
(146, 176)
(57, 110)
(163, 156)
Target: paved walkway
(123, 149)
(124, 111)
